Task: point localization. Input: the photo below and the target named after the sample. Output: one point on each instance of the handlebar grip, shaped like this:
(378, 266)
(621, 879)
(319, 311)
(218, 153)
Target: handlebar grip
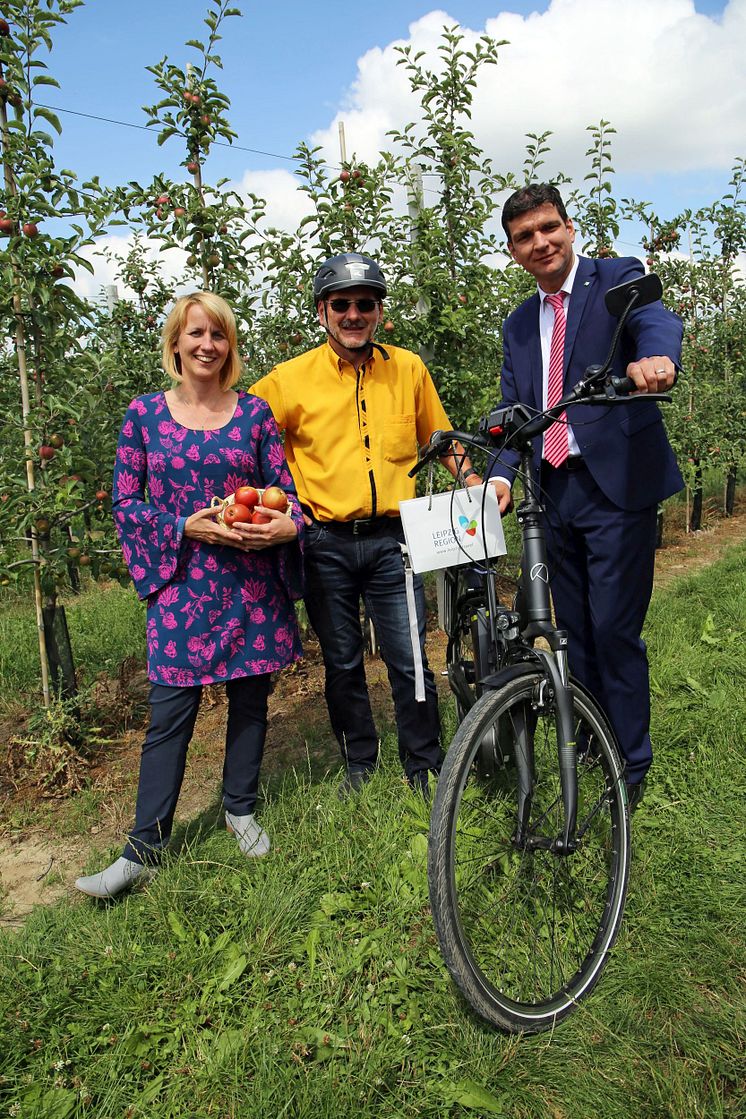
(623, 386)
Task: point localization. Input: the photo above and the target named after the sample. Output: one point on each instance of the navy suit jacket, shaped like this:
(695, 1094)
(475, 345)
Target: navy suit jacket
(625, 446)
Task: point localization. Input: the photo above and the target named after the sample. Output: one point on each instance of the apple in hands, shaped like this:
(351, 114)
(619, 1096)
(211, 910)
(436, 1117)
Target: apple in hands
(236, 514)
(274, 498)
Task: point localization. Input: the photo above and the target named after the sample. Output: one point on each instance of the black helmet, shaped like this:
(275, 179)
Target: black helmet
(350, 270)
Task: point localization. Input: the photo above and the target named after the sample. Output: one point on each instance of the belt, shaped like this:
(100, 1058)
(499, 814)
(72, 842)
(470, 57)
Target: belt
(367, 526)
(571, 463)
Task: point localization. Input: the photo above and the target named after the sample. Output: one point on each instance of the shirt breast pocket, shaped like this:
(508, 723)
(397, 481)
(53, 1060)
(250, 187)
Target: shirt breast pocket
(400, 439)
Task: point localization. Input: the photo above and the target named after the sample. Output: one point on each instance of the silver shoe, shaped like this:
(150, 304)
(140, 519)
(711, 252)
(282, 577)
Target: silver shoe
(252, 838)
(114, 880)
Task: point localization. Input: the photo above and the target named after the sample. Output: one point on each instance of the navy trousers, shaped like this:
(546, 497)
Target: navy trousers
(173, 712)
(340, 569)
(602, 560)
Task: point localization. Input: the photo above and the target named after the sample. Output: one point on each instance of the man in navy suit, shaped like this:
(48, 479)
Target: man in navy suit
(617, 464)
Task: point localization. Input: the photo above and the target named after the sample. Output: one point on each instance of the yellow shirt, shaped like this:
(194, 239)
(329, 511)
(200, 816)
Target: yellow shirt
(351, 437)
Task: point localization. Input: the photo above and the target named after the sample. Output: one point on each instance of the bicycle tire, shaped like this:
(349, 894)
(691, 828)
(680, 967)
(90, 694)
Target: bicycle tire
(525, 934)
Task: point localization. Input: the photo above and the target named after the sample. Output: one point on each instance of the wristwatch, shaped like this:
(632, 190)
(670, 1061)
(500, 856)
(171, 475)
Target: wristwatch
(468, 473)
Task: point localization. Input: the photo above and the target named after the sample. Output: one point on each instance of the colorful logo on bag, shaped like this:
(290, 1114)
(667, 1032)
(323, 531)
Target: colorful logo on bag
(469, 527)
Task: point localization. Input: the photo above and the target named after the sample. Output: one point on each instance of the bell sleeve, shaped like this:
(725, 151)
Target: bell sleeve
(149, 533)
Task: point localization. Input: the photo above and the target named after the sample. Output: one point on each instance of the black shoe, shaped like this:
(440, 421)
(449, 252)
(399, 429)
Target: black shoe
(423, 782)
(353, 781)
(635, 793)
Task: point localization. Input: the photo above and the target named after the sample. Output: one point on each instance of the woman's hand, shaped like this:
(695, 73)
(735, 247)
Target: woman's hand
(279, 530)
(203, 527)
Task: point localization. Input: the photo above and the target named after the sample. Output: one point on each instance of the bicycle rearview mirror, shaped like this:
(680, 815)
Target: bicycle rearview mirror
(648, 288)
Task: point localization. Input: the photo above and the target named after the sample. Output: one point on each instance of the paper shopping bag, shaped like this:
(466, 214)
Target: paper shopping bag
(448, 529)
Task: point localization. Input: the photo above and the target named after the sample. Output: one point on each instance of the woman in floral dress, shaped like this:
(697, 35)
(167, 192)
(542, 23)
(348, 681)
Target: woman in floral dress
(219, 599)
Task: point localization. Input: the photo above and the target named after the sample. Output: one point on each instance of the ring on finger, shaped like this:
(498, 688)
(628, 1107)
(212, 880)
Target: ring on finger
(659, 372)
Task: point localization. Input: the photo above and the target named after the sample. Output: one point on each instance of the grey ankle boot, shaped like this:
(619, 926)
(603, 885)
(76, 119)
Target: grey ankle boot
(118, 877)
(252, 838)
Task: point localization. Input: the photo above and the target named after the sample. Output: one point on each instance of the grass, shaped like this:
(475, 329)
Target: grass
(106, 624)
(309, 983)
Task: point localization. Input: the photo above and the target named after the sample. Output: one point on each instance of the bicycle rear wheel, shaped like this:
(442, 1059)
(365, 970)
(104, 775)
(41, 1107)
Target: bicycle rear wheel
(526, 932)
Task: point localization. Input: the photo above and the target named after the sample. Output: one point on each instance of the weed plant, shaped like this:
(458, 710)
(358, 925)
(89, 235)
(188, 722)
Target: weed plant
(309, 983)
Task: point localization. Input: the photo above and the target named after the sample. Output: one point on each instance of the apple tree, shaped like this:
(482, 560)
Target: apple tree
(49, 463)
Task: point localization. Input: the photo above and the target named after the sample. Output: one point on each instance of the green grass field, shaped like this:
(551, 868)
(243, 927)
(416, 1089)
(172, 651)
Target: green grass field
(310, 985)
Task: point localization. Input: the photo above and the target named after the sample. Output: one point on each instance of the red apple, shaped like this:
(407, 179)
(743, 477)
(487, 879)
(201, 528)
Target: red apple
(6, 224)
(56, 441)
(179, 212)
(388, 326)
(236, 514)
(46, 452)
(30, 228)
(192, 167)
(258, 518)
(274, 498)
(344, 176)
(246, 495)
(4, 28)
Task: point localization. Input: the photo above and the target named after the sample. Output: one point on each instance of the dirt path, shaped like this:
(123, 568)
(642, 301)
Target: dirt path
(44, 845)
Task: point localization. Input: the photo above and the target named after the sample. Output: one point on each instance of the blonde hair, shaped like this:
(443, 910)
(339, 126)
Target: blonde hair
(218, 310)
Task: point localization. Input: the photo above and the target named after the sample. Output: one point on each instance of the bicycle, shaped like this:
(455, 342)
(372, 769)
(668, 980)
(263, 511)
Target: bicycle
(529, 845)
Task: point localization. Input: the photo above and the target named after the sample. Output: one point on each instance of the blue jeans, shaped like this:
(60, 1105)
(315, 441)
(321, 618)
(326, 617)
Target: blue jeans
(173, 712)
(342, 568)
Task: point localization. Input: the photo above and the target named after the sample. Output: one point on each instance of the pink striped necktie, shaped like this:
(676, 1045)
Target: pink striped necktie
(556, 447)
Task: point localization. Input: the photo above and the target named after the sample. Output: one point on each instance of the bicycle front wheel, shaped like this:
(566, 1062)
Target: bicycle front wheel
(525, 931)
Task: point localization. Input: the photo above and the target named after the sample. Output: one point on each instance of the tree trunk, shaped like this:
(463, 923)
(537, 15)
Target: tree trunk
(695, 523)
(730, 491)
(59, 651)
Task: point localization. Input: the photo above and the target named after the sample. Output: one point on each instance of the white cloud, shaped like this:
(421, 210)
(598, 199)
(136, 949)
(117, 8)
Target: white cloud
(671, 81)
(286, 205)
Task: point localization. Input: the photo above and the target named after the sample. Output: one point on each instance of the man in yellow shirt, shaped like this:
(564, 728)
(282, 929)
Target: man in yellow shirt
(354, 413)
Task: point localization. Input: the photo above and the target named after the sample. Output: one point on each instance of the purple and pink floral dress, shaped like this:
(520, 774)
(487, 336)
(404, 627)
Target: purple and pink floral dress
(214, 613)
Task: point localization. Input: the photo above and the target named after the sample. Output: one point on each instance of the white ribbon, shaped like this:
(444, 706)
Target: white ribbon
(414, 629)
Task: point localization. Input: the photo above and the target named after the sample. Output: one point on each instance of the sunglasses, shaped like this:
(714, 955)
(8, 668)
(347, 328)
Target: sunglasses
(365, 306)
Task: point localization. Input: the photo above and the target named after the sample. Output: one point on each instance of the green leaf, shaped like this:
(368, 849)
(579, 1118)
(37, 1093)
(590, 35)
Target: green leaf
(49, 116)
(476, 1098)
(310, 946)
(176, 926)
(234, 971)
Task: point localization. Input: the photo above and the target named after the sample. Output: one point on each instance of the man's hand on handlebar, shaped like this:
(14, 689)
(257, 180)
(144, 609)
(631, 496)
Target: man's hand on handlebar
(652, 374)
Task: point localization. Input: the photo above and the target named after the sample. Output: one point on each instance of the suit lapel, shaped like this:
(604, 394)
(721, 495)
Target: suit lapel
(585, 281)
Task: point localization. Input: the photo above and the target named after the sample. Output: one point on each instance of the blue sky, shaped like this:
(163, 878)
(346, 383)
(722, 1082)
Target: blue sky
(668, 73)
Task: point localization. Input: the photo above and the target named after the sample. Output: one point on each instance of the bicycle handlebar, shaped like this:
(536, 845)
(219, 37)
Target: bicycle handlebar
(518, 424)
